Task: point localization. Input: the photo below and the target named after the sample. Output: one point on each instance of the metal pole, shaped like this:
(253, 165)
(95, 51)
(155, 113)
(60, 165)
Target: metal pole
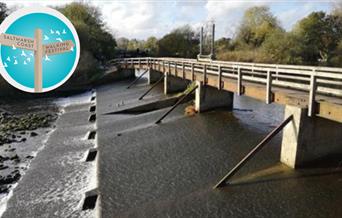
(177, 103)
(213, 42)
(201, 41)
(154, 85)
(233, 171)
(137, 79)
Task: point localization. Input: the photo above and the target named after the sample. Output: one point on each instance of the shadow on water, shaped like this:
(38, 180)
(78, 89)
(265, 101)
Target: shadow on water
(281, 172)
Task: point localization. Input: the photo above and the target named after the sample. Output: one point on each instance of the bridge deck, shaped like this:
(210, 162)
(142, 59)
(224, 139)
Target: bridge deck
(282, 85)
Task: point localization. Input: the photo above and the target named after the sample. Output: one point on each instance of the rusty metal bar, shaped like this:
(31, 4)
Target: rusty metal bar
(137, 79)
(257, 148)
(154, 85)
(175, 105)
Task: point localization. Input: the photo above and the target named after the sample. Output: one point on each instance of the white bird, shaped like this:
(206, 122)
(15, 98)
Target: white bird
(46, 37)
(31, 54)
(64, 32)
(47, 58)
(52, 32)
(8, 58)
(25, 63)
(72, 49)
(14, 57)
(13, 47)
(28, 59)
(15, 62)
(57, 32)
(59, 39)
(5, 65)
(23, 53)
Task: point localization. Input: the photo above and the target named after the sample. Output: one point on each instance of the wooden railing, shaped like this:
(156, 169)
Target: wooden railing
(325, 81)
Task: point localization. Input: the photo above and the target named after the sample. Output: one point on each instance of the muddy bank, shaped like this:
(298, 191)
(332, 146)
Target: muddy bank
(23, 126)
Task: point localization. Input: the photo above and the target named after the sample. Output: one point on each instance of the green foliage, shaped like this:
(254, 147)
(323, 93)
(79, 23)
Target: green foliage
(257, 24)
(97, 43)
(3, 11)
(181, 42)
(320, 34)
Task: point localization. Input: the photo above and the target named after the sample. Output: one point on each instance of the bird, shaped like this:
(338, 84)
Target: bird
(5, 65)
(46, 37)
(25, 63)
(15, 57)
(47, 58)
(8, 58)
(31, 54)
(64, 32)
(72, 49)
(23, 53)
(28, 59)
(15, 62)
(57, 32)
(13, 47)
(59, 39)
(52, 32)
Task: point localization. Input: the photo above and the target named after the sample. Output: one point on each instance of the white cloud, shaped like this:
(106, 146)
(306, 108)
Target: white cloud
(141, 19)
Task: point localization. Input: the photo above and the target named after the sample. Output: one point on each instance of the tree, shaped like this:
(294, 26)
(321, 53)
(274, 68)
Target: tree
(97, 44)
(319, 34)
(257, 24)
(93, 34)
(3, 11)
(122, 43)
(151, 45)
(181, 42)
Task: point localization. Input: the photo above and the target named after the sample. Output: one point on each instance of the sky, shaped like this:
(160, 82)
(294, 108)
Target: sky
(143, 18)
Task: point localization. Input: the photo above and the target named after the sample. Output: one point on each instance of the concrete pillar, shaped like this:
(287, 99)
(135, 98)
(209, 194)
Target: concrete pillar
(174, 84)
(153, 76)
(309, 139)
(208, 98)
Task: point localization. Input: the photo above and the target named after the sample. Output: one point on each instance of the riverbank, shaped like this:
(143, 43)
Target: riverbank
(24, 129)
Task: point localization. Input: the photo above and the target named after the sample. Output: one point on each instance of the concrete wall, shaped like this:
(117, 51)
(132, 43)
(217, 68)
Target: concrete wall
(153, 76)
(208, 98)
(307, 139)
(174, 84)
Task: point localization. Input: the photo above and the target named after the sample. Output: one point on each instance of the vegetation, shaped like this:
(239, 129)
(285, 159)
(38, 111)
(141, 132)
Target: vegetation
(98, 44)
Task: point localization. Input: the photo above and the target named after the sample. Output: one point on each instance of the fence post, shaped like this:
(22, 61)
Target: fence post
(38, 65)
(219, 80)
(239, 82)
(269, 87)
(312, 94)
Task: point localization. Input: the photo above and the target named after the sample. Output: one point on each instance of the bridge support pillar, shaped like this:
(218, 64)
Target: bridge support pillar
(308, 139)
(208, 98)
(153, 76)
(174, 84)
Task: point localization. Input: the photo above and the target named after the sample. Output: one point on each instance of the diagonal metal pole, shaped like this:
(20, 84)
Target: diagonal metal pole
(154, 85)
(177, 103)
(233, 171)
(137, 79)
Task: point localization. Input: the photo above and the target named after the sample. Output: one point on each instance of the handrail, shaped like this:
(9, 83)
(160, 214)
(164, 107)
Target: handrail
(314, 80)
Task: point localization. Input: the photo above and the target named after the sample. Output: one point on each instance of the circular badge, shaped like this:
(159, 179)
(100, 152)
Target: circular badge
(39, 49)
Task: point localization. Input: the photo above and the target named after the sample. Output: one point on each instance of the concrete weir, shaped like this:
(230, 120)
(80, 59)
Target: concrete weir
(307, 139)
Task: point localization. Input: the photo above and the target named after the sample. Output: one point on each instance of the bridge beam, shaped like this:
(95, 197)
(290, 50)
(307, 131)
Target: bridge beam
(208, 98)
(174, 84)
(308, 139)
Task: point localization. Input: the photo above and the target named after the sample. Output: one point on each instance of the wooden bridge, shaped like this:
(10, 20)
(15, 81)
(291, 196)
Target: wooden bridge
(312, 97)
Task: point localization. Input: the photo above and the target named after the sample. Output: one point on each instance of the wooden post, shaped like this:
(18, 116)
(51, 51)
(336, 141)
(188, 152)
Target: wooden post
(38, 65)
(312, 94)
(219, 80)
(269, 87)
(239, 82)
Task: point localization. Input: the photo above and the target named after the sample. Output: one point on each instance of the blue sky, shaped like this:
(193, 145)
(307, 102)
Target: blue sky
(143, 18)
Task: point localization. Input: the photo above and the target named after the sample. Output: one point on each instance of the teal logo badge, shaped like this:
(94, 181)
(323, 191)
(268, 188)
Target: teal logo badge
(39, 49)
